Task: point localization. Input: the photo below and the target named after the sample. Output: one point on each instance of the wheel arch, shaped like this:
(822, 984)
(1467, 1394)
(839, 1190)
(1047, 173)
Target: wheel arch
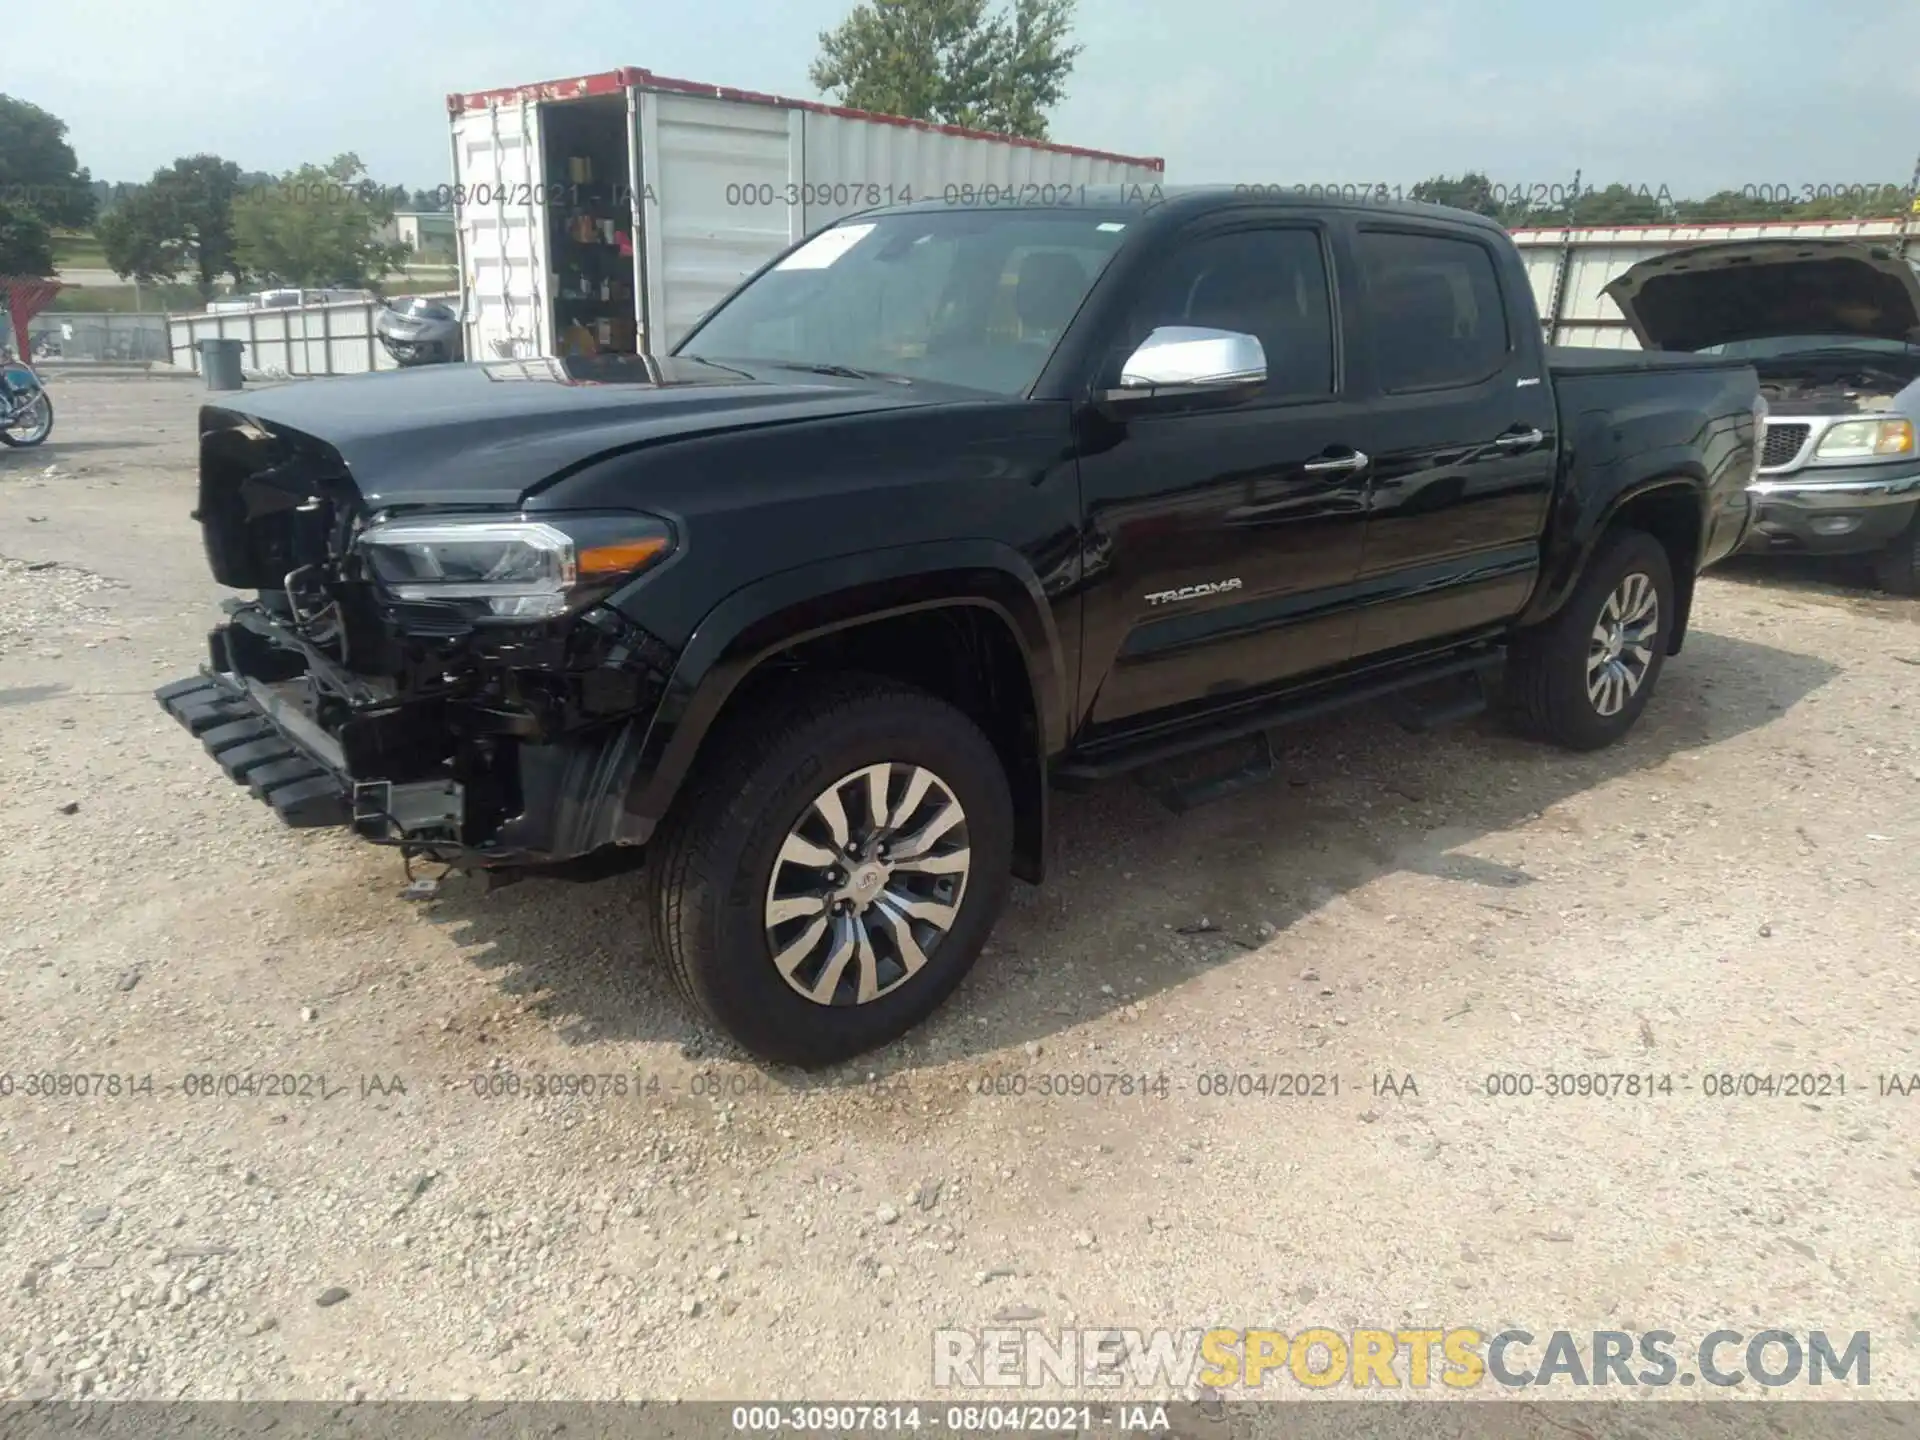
(1671, 507)
(844, 614)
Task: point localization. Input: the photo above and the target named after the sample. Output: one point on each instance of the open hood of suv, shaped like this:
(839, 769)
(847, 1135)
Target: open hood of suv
(1756, 289)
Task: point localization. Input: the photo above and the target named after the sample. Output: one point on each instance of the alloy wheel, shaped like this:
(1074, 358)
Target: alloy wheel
(1620, 653)
(867, 884)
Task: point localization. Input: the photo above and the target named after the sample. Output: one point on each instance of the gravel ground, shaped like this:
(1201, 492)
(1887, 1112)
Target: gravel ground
(1732, 890)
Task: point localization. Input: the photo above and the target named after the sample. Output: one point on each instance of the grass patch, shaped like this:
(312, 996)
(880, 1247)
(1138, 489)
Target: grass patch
(124, 300)
(78, 251)
(175, 299)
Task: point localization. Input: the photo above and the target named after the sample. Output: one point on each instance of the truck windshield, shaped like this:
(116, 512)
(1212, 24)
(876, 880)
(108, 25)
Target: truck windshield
(972, 298)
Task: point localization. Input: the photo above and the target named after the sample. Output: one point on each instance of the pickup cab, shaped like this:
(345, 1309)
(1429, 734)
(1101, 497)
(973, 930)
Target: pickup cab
(945, 508)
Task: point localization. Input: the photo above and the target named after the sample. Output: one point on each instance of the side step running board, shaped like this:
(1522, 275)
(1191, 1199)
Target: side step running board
(1120, 758)
(1259, 769)
(1468, 700)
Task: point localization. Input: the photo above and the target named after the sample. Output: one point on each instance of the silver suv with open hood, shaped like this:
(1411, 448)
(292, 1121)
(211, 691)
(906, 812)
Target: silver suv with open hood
(1833, 328)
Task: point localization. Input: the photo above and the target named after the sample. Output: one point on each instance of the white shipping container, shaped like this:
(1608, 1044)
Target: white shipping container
(699, 186)
(1570, 268)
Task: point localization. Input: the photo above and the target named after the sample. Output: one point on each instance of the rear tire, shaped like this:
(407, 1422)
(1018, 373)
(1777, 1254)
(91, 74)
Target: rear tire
(753, 844)
(1581, 680)
(1897, 567)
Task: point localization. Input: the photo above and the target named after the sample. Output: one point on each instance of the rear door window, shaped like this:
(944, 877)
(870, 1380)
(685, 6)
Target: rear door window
(1434, 310)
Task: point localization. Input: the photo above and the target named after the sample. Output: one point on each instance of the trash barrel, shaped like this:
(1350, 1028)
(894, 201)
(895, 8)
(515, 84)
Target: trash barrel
(220, 363)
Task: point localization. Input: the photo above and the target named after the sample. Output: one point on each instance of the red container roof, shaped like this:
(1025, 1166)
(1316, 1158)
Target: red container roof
(617, 82)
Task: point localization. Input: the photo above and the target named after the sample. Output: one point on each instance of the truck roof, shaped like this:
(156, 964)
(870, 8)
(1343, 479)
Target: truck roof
(1175, 201)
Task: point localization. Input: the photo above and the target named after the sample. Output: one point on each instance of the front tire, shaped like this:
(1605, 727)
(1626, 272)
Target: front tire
(26, 437)
(833, 870)
(1897, 567)
(1582, 679)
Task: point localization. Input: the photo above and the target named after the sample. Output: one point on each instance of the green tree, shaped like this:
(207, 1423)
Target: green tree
(1865, 202)
(38, 170)
(318, 225)
(1629, 204)
(139, 241)
(1728, 206)
(951, 62)
(26, 244)
(1472, 191)
(1617, 204)
(108, 196)
(181, 220)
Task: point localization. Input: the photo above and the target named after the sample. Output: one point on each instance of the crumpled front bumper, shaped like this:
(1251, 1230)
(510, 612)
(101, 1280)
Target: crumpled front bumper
(569, 795)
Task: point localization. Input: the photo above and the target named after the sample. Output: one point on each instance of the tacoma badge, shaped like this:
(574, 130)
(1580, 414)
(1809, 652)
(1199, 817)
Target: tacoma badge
(1194, 592)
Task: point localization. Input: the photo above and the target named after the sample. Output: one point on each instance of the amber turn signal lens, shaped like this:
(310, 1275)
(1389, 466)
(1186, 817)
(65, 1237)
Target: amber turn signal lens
(622, 557)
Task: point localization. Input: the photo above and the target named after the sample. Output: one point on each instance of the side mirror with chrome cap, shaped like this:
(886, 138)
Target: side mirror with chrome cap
(1190, 360)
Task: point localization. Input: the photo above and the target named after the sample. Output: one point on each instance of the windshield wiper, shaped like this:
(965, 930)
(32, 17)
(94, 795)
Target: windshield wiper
(845, 372)
(839, 372)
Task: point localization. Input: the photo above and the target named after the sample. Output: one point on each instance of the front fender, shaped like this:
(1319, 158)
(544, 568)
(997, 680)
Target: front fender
(782, 610)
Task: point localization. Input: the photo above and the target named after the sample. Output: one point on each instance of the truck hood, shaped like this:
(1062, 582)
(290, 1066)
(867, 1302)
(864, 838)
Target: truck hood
(486, 433)
(1756, 289)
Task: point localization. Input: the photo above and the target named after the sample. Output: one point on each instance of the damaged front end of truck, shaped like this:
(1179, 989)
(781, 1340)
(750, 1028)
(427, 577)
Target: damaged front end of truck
(448, 679)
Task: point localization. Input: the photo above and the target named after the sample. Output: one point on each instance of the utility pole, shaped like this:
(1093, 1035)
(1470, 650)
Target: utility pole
(1556, 298)
(1906, 214)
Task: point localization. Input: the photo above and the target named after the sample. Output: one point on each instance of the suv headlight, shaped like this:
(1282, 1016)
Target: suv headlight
(1866, 440)
(521, 568)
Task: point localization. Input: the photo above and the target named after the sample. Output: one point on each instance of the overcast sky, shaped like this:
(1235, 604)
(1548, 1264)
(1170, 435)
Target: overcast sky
(1694, 94)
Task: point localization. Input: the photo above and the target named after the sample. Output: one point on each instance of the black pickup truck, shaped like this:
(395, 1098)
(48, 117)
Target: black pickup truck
(942, 509)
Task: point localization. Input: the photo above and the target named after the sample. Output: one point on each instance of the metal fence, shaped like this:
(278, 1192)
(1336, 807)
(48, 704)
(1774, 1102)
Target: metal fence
(98, 338)
(292, 342)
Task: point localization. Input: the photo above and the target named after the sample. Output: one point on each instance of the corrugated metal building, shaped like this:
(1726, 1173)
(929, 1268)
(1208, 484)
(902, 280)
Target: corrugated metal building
(1569, 268)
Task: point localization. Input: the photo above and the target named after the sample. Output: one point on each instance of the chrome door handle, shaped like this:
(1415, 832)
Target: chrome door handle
(1519, 440)
(1344, 465)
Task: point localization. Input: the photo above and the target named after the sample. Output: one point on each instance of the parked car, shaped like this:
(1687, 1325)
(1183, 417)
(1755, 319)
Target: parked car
(1833, 328)
(816, 610)
(287, 299)
(419, 330)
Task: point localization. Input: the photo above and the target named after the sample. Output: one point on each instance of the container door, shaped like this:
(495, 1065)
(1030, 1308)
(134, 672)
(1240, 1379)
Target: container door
(499, 169)
(720, 195)
(640, 183)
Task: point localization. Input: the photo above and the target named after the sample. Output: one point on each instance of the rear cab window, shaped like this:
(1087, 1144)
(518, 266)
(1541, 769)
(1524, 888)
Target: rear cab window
(1435, 312)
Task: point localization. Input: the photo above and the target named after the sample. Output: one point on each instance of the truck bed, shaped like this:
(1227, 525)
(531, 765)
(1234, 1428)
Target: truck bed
(1586, 360)
(1630, 417)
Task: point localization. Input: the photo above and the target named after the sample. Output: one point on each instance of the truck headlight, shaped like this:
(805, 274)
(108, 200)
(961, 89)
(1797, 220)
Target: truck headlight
(527, 569)
(1866, 440)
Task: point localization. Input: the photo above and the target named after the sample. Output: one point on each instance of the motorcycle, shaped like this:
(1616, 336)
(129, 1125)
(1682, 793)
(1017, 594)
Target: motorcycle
(417, 331)
(26, 410)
